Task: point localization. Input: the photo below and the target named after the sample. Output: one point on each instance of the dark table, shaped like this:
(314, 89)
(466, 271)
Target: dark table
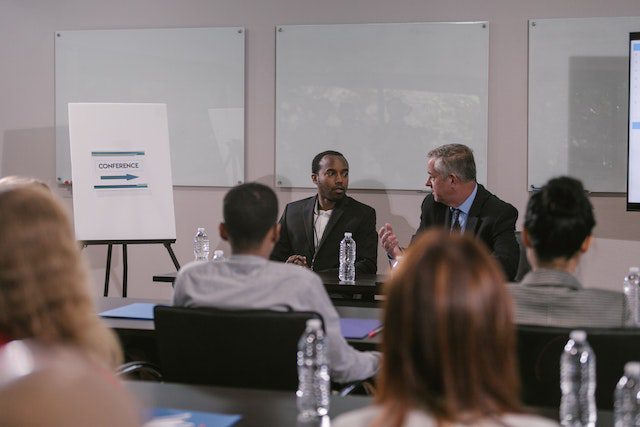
(264, 407)
(365, 288)
(138, 336)
(258, 408)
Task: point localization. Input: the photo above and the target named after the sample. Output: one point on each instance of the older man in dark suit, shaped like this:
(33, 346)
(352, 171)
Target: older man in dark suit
(460, 204)
(312, 228)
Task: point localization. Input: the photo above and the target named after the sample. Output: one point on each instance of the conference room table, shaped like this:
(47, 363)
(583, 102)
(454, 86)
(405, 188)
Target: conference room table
(141, 333)
(365, 288)
(264, 407)
(258, 408)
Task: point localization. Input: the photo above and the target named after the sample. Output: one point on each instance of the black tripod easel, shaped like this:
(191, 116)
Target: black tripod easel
(124, 243)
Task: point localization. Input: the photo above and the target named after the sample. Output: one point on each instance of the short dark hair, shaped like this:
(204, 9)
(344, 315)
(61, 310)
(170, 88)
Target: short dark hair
(559, 217)
(249, 211)
(454, 159)
(315, 163)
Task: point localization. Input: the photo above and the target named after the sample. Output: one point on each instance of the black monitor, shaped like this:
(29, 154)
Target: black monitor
(633, 158)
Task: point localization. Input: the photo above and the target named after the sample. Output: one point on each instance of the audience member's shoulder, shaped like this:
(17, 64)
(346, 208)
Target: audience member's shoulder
(525, 420)
(194, 269)
(299, 203)
(604, 294)
(366, 416)
(359, 417)
(193, 266)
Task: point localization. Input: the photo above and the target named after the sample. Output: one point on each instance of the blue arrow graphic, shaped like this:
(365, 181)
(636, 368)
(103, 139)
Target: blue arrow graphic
(128, 177)
(101, 187)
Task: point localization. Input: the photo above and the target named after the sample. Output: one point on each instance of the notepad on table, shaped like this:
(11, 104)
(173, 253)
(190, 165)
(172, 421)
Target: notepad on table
(358, 328)
(138, 310)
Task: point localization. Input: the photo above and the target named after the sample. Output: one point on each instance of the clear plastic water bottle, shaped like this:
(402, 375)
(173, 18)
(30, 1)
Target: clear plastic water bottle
(314, 382)
(201, 245)
(578, 382)
(218, 255)
(347, 272)
(630, 287)
(625, 404)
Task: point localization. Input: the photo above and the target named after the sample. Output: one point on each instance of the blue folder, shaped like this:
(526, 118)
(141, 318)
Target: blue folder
(138, 310)
(358, 328)
(197, 418)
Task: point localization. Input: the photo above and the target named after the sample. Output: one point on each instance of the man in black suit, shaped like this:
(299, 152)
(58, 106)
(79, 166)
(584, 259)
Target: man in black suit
(460, 204)
(312, 228)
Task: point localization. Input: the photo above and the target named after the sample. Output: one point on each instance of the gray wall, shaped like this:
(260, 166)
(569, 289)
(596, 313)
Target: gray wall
(27, 107)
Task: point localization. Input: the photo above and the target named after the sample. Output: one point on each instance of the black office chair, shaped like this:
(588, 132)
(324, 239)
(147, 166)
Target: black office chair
(539, 350)
(249, 348)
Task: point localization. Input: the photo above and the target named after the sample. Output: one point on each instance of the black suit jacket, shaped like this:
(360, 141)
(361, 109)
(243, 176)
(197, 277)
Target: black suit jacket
(296, 237)
(490, 219)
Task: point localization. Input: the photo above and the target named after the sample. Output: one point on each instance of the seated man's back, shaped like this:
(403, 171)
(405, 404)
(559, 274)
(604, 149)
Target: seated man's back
(248, 280)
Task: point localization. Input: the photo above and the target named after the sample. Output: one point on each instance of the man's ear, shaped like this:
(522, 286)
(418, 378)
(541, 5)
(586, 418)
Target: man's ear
(314, 178)
(224, 234)
(586, 244)
(275, 233)
(526, 240)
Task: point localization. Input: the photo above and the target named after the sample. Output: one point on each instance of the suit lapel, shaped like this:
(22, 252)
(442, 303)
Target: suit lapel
(476, 207)
(446, 212)
(338, 210)
(307, 218)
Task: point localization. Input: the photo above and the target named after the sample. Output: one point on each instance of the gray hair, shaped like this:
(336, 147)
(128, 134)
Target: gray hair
(454, 159)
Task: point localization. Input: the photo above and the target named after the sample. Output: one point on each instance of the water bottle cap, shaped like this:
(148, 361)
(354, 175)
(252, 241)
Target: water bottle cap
(634, 270)
(314, 323)
(200, 230)
(578, 335)
(632, 368)
(347, 234)
(218, 252)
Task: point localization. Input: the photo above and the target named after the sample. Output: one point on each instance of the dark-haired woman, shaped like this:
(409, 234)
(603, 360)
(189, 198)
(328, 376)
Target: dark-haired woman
(557, 232)
(448, 342)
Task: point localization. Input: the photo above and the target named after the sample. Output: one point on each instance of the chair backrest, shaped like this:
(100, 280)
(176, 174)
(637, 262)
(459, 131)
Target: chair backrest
(539, 350)
(248, 348)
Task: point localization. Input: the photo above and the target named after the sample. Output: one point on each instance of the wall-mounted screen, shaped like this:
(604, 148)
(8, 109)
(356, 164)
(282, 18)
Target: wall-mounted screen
(633, 169)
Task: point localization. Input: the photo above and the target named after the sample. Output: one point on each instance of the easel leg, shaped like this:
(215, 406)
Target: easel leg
(106, 274)
(172, 255)
(124, 270)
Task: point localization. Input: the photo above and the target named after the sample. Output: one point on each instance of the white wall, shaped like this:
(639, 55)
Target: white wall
(27, 135)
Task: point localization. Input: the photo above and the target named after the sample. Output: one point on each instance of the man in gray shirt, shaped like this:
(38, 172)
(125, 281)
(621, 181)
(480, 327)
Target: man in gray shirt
(248, 280)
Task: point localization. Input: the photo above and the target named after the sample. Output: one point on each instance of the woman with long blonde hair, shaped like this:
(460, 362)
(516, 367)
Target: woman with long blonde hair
(448, 342)
(44, 290)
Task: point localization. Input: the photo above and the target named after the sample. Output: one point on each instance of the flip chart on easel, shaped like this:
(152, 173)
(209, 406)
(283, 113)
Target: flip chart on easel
(121, 169)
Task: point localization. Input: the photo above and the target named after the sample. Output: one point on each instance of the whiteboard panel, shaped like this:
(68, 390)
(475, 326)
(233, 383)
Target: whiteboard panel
(197, 72)
(578, 79)
(383, 95)
(121, 172)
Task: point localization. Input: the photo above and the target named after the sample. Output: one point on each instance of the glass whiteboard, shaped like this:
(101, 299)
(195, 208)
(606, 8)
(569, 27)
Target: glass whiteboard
(578, 80)
(383, 95)
(197, 72)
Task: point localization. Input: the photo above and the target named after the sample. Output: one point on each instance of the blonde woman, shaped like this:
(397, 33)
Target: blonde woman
(43, 280)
